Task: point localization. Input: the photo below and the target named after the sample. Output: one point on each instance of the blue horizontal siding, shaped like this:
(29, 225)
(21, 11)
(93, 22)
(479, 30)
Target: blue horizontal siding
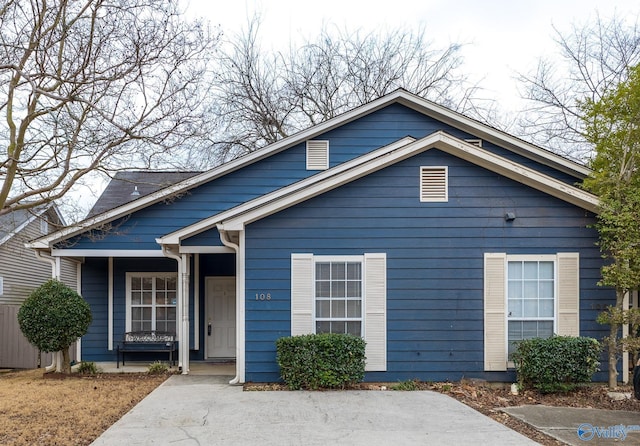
(435, 254)
(140, 229)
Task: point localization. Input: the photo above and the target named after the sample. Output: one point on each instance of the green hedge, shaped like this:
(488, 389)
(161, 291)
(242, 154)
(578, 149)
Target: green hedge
(558, 363)
(318, 361)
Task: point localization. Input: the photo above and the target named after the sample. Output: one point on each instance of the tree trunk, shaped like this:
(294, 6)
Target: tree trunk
(612, 344)
(66, 361)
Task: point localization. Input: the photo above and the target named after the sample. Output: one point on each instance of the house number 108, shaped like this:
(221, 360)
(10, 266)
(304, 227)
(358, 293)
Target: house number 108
(263, 296)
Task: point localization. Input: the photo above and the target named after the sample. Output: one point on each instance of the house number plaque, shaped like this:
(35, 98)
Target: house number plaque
(263, 296)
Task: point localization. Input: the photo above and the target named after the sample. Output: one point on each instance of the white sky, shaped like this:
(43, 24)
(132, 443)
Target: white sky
(502, 37)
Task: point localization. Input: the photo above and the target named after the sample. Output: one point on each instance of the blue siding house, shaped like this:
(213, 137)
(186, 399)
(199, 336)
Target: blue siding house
(436, 238)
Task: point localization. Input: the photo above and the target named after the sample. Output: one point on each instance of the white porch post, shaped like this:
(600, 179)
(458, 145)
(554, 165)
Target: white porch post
(184, 335)
(625, 333)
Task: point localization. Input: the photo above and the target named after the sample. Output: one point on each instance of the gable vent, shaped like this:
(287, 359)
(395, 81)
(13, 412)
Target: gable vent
(433, 184)
(317, 155)
(475, 142)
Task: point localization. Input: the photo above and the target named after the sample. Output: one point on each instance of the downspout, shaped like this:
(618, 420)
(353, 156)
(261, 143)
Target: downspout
(56, 358)
(167, 253)
(224, 238)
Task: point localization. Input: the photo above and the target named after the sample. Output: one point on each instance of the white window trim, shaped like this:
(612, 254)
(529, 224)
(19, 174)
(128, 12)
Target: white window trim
(374, 291)
(423, 187)
(566, 305)
(1, 286)
(556, 279)
(128, 277)
(336, 259)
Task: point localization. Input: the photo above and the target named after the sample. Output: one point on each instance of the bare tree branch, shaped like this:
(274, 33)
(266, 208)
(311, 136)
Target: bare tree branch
(594, 59)
(263, 96)
(96, 85)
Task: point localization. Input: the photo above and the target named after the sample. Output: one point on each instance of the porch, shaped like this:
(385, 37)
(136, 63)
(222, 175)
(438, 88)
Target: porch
(205, 368)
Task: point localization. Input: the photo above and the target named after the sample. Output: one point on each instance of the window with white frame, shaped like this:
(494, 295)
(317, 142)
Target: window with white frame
(527, 296)
(151, 301)
(342, 294)
(338, 296)
(530, 300)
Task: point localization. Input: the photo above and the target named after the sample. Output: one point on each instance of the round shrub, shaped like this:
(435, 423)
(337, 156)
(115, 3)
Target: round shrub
(53, 317)
(558, 363)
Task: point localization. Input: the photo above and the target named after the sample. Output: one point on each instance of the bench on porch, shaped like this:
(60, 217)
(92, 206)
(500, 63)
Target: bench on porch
(147, 342)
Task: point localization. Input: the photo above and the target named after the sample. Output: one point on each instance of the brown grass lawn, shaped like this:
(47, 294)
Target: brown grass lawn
(39, 410)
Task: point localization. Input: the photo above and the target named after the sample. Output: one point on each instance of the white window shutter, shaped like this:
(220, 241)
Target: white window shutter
(568, 294)
(375, 302)
(495, 337)
(317, 155)
(301, 294)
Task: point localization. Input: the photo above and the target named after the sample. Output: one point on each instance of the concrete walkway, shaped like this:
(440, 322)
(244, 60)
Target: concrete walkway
(204, 410)
(575, 426)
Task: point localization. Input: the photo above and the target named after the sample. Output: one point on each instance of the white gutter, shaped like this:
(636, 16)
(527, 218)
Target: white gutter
(240, 304)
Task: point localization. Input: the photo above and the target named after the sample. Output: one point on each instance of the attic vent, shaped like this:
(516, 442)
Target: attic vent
(475, 142)
(317, 155)
(433, 184)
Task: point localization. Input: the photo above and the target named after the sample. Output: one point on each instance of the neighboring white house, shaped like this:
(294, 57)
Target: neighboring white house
(20, 273)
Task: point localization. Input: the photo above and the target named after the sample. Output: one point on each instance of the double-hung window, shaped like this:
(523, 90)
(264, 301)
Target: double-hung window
(527, 296)
(338, 297)
(530, 300)
(342, 294)
(151, 302)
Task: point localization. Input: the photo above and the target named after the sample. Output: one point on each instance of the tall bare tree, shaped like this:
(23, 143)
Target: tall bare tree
(593, 59)
(263, 96)
(94, 85)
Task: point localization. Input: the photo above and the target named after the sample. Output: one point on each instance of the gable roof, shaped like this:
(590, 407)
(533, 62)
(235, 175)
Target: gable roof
(15, 221)
(234, 219)
(412, 101)
(127, 186)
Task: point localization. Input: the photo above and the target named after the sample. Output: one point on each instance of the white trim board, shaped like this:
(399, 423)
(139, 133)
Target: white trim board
(235, 219)
(107, 253)
(421, 105)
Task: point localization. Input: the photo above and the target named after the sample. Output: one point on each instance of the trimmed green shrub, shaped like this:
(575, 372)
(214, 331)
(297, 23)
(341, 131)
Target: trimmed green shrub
(556, 364)
(53, 317)
(325, 360)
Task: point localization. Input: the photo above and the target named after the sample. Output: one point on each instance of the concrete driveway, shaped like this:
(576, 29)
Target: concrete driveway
(205, 410)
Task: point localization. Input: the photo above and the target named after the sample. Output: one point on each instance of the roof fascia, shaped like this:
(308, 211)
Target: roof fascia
(28, 221)
(224, 169)
(235, 219)
(440, 141)
(403, 97)
(205, 224)
(493, 135)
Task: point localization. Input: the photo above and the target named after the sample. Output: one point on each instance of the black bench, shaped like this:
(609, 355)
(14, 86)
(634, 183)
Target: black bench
(147, 342)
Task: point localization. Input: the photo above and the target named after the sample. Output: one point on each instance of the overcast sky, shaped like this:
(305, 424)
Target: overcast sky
(501, 36)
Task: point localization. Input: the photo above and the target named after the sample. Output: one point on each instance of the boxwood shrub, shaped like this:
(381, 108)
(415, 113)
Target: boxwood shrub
(325, 360)
(556, 364)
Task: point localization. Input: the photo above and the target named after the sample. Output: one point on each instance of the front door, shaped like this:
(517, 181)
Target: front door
(220, 323)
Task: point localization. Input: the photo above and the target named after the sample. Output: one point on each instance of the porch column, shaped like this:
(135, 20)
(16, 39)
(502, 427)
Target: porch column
(184, 326)
(182, 305)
